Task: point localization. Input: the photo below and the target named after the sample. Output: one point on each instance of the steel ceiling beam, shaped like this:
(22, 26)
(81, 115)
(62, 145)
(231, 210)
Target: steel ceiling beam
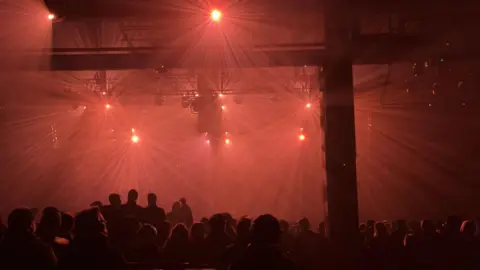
(388, 49)
(170, 9)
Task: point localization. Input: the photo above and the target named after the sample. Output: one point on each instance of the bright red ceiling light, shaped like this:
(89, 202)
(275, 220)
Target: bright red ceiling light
(216, 15)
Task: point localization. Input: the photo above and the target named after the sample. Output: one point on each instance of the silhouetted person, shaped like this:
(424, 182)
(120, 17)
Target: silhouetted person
(131, 208)
(306, 245)
(217, 240)
(452, 240)
(175, 216)
(114, 209)
(380, 239)
(20, 249)
(49, 226)
(90, 248)
(321, 230)
(145, 248)
(186, 215)
(66, 228)
(287, 240)
(470, 247)
(176, 248)
(264, 251)
(153, 214)
(236, 250)
(369, 231)
(196, 243)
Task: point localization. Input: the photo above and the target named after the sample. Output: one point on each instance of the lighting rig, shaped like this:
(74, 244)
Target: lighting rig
(343, 46)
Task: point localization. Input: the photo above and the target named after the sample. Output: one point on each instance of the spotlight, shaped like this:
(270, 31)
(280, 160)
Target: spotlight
(228, 141)
(108, 106)
(135, 139)
(216, 15)
(207, 141)
(133, 130)
(224, 108)
(308, 105)
(51, 17)
(301, 137)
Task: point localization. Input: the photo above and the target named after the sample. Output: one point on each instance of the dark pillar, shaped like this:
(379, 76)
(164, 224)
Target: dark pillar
(339, 126)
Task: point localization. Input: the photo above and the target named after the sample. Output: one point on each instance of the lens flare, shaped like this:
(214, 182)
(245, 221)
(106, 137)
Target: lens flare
(135, 139)
(216, 15)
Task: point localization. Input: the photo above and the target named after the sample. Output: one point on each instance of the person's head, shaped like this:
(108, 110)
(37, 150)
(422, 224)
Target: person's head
(152, 199)
(380, 229)
(468, 228)
(415, 226)
(284, 226)
(243, 228)
(321, 228)
(68, 222)
(401, 226)
(183, 201)
(50, 222)
(217, 223)
(304, 224)
(197, 231)
(21, 221)
(176, 206)
(147, 234)
(115, 199)
(428, 227)
(179, 234)
(90, 223)
(266, 230)
(132, 196)
(453, 224)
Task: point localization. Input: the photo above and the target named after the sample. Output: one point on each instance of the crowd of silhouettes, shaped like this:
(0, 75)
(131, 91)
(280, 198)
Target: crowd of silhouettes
(121, 236)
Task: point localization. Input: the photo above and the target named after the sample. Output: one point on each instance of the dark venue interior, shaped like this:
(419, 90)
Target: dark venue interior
(348, 114)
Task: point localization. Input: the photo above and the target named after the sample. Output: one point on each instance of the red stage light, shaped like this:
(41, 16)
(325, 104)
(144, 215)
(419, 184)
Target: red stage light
(51, 17)
(216, 15)
(227, 141)
(135, 139)
(301, 137)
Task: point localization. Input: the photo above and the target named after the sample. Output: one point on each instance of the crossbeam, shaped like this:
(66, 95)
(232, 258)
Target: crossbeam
(170, 9)
(388, 49)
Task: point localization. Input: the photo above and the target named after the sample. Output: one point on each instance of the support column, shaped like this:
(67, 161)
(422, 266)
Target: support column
(340, 149)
